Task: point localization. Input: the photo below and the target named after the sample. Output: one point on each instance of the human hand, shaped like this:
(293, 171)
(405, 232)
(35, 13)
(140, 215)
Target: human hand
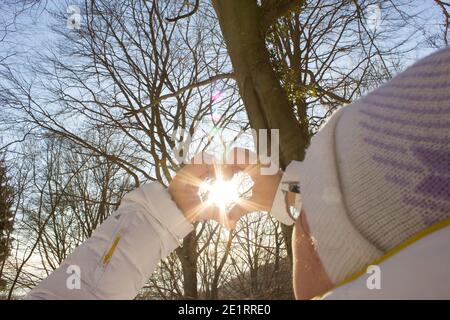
(184, 188)
(264, 185)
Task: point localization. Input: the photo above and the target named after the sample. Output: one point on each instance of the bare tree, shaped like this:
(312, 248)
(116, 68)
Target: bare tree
(6, 218)
(445, 8)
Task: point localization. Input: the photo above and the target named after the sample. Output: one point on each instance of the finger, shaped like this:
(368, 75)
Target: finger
(218, 215)
(199, 168)
(208, 212)
(240, 159)
(227, 171)
(223, 218)
(205, 166)
(241, 209)
(202, 165)
(245, 206)
(237, 212)
(189, 201)
(229, 224)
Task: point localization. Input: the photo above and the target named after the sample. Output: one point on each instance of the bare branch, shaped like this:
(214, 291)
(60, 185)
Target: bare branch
(179, 17)
(445, 10)
(180, 91)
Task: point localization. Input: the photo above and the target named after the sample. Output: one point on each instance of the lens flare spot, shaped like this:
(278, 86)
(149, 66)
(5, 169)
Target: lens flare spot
(216, 96)
(221, 193)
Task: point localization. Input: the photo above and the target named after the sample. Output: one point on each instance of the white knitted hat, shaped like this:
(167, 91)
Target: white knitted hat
(379, 171)
(342, 249)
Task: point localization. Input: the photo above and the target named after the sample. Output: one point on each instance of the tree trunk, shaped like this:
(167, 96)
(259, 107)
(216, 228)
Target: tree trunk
(188, 257)
(266, 102)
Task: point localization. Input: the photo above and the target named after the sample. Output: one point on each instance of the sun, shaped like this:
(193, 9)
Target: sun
(220, 193)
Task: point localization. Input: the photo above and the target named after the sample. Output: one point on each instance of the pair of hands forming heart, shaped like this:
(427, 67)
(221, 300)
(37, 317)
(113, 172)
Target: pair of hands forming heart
(184, 187)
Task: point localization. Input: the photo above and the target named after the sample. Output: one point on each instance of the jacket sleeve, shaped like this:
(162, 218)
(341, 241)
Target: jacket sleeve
(119, 257)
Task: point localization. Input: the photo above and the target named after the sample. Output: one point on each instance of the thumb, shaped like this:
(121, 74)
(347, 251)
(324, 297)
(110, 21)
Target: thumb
(235, 213)
(222, 218)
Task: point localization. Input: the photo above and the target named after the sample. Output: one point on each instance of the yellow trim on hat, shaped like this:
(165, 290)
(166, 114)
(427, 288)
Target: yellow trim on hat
(393, 251)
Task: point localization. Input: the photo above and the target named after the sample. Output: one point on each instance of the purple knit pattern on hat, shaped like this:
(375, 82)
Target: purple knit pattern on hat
(407, 125)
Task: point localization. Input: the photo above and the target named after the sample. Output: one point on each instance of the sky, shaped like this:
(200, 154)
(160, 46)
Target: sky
(34, 34)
